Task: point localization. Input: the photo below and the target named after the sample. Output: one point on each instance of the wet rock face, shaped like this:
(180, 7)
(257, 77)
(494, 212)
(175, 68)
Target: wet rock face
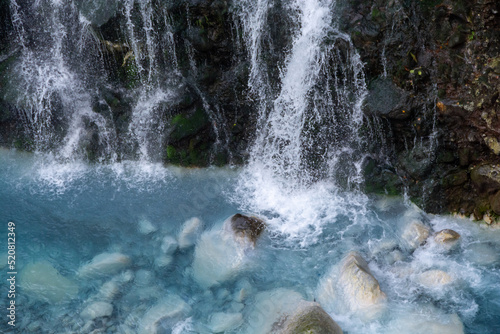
(432, 70)
(436, 101)
(247, 227)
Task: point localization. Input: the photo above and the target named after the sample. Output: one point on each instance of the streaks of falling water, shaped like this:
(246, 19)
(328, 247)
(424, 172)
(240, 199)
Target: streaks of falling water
(54, 90)
(308, 147)
(310, 124)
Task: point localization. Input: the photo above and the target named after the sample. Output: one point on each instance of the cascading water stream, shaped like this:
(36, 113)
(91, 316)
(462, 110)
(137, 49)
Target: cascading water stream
(54, 92)
(147, 124)
(308, 140)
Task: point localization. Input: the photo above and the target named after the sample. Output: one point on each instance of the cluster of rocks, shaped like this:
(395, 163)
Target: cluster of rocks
(220, 254)
(223, 254)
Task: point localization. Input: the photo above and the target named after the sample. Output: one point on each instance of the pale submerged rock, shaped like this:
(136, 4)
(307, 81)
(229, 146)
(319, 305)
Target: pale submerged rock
(126, 276)
(434, 278)
(221, 322)
(43, 282)
(415, 234)
(190, 232)
(169, 245)
(418, 323)
(217, 258)
(109, 290)
(146, 227)
(97, 310)
(269, 307)
(105, 264)
(351, 287)
(242, 291)
(170, 308)
(394, 256)
(222, 253)
(144, 277)
(112, 288)
(482, 254)
(163, 261)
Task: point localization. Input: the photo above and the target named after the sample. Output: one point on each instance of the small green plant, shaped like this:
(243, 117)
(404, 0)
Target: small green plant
(471, 35)
(171, 152)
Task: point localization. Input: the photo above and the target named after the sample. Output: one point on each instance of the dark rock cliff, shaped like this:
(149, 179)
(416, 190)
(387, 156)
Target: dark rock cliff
(433, 71)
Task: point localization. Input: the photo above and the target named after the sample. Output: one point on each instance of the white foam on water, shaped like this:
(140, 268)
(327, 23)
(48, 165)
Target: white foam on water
(53, 175)
(301, 213)
(184, 326)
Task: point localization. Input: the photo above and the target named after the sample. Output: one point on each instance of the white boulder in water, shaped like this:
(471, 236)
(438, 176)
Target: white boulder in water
(222, 252)
(242, 291)
(105, 264)
(109, 290)
(97, 310)
(190, 232)
(145, 227)
(434, 278)
(426, 322)
(43, 282)
(307, 318)
(415, 234)
(163, 261)
(112, 288)
(351, 287)
(268, 307)
(221, 322)
(169, 245)
(166, 312)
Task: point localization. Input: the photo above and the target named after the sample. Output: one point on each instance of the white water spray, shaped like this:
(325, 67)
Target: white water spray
(308, 141)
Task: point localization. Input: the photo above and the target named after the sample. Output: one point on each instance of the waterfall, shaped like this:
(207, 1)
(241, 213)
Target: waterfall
(147, 125)
(55, 87)
(310, 122)
(308, 147)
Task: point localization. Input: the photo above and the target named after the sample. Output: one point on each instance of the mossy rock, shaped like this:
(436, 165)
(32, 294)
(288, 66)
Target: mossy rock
(188, 125)
(308, 318)
(455, 179)
(381, 181)
(196, 154)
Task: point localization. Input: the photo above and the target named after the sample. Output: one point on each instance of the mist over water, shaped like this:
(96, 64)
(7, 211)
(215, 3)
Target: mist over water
(303, 178)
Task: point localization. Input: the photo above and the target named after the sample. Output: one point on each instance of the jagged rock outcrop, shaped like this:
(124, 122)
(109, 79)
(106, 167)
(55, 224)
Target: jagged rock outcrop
(433, 75)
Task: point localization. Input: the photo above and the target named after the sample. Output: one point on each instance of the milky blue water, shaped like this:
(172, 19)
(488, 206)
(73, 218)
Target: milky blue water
(67, 213)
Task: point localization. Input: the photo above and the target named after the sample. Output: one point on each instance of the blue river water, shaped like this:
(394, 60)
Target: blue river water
(66, 214)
